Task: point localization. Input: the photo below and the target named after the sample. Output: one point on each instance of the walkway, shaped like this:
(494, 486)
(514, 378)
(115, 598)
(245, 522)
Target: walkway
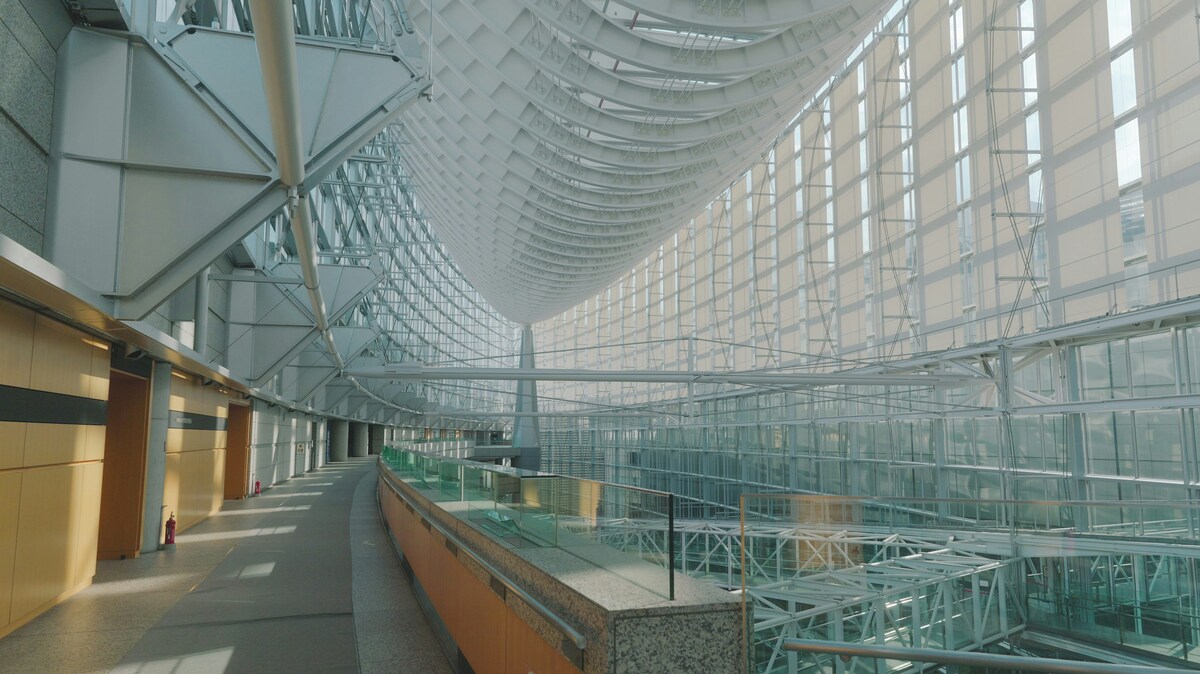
(302, 578)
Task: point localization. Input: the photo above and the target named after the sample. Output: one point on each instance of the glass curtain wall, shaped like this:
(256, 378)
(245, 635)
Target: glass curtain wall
(962, 183)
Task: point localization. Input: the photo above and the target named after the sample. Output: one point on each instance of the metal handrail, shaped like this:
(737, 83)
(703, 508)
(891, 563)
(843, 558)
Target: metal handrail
(1010, 662)
(474, 464)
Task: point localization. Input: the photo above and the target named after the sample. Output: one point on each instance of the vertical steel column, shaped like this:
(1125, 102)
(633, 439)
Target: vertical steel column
(1068, 359)
(200, 324)
(320, 442)
(1004, 395)
(526, 443)
(671, 542)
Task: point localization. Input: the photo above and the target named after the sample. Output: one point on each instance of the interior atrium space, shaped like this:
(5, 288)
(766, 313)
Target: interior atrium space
(759, 336)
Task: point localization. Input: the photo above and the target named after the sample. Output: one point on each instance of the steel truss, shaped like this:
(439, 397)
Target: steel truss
(940, 599)
(962, 586)
(860, 583)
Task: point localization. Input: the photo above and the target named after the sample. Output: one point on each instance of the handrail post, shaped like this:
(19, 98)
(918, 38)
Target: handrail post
(671, 545)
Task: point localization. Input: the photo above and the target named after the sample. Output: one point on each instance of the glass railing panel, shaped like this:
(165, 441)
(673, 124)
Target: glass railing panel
(479, 489)
(622, 530)
(450, 483)
(596, 518)
(536, 509)
(492, 502)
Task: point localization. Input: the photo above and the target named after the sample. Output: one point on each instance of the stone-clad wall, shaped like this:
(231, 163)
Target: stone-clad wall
(30, 33)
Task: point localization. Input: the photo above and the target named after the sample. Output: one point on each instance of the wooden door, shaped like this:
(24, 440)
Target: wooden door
(124, 483)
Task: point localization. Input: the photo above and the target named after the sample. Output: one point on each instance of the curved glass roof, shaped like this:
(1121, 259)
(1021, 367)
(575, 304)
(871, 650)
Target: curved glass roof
(567, 138)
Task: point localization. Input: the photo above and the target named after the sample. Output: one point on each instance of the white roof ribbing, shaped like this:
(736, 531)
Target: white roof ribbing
(568, 138)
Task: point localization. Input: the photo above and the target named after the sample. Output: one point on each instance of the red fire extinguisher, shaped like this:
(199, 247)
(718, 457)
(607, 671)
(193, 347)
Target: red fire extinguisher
(170, 539)
(257, 487)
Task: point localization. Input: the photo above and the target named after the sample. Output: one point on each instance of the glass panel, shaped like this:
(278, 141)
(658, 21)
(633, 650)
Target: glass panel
(1160, 445)
(1152, 365)
(966, 232)
(968, 283)
(1192, 337)
(1040, 257)
(962, 174)
(592, 521)
(1029, 78)
(1120, 22)
(1033, 137)
(958, 78)
(956, 30)
(1129, 153)
(1105, 370)
(962, 133)
(1036, 194)
(1133, 224)
(1110, 444)
(1025, 20)
(1124, 87)
(1137, 284)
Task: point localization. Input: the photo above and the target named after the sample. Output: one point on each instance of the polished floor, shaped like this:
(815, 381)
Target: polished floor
(300, 579)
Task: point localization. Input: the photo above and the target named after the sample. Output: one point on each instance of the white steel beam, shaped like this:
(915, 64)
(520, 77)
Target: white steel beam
(407, 371)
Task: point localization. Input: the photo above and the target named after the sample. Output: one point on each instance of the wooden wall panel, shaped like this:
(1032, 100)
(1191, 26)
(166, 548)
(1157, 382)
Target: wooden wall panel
(87, 517)
(50, 473)
(174, 440)
(442, 585)
(194, 484)
(527, 651)
(12, 443)
(216, 478)
(178, 399)
(50, 444)
(59, 363)
(197, 485)
(43, 569)
(16, 334)
(195, 481)
(10, 506)
(481, 630)
(414, 541)
(101, 370)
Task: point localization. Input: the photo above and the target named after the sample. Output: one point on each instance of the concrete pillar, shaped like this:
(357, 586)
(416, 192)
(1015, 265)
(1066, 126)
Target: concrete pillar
(359, 440)
(339, 440)
(375, 439)
(153, 516)
(526, 444)
(318, 442)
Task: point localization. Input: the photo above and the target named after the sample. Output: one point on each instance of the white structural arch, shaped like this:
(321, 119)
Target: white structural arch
(566, 138)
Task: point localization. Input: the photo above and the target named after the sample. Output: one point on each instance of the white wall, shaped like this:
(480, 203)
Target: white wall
(275, 437)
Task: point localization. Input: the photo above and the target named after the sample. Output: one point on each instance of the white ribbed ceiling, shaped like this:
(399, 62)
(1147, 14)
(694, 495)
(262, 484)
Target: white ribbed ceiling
(568, 138)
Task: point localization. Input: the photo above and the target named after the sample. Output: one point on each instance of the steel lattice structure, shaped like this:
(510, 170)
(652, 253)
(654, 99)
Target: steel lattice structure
(567, 138)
